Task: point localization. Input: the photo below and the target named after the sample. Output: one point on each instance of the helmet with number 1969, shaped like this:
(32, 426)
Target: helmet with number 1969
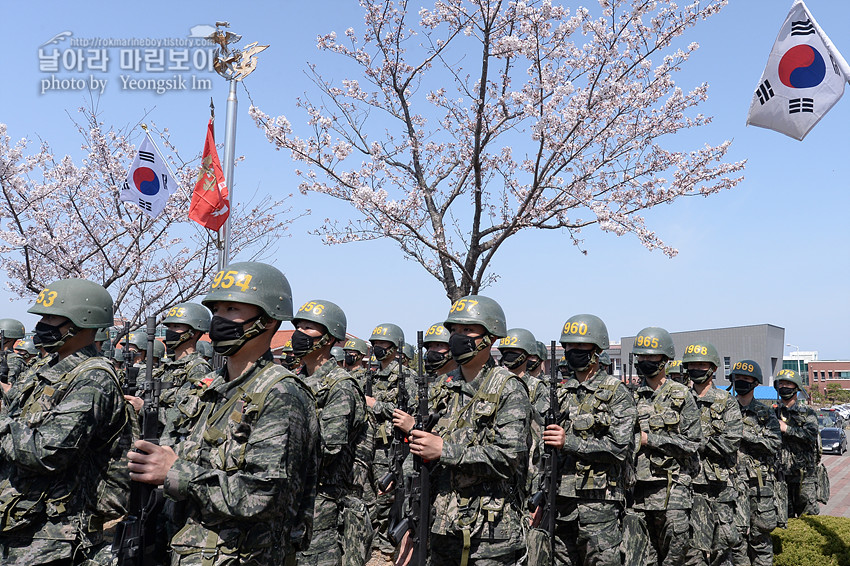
(747, 367)
(585, 329)
(480, 310)
(253, 283)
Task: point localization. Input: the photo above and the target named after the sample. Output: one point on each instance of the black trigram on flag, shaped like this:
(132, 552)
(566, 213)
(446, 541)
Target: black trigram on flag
(146, 156)
(146, 205)
(796, 105)
(805, 27)
(764, 92)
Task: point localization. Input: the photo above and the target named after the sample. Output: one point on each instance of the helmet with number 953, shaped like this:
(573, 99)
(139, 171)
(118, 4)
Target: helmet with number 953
(323, 312)
(192, 314)
(253, 283)
(653, 340)
(481, 310)
(585, 329)
(85, 303)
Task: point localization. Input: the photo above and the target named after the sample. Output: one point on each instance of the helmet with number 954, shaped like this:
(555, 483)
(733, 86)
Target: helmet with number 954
(253, 283)
(480, 310)
(323, 312)
(585, 329)
(192, 314)
(653, 340)
(85, 303)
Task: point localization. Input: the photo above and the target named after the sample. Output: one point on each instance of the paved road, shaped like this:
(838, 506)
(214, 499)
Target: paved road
(839, 484)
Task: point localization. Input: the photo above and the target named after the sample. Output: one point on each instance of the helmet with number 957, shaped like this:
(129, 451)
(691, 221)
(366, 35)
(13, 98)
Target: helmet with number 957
(253, 283)
(585, 329)
(480, 310)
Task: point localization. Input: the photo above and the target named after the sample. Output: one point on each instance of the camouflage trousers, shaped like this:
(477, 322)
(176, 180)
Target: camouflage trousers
(668, 536)
(803, 495)
(448, 550)
(36, 551)
(588, 532)
(714, 533)
(756, 546)
(337, 539)
(380, 467)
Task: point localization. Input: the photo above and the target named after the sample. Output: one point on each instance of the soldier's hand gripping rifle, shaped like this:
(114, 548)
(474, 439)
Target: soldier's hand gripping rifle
(4, 363)
(135, 537)
(398, 452)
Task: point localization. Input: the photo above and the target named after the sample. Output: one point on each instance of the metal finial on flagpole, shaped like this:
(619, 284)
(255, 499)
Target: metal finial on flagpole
(212, 109)
(234, 65)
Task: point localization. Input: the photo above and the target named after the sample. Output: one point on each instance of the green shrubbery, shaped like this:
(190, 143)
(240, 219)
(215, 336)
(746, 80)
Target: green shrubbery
(813, 541)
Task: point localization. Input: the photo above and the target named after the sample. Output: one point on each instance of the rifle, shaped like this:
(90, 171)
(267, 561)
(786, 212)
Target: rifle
(131, 373)
(4, 362)
(367, 385)
(135, 536)
(398, 452)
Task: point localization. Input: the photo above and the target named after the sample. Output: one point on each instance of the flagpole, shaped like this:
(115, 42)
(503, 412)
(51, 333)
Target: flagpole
(229, 160)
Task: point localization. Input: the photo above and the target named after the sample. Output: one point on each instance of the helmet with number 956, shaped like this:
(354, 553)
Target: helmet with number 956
(326, 313)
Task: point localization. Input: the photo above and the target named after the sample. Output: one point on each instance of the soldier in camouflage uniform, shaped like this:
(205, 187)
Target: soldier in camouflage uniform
(385, 340)
(247, 471)
(757, 458)
(25, 347)
(341, 528)
(60, 432)
(667, 438)
(800, 445)
(11, 363)
(594, 437)
(205, 349)
(534, 366)
(714, 482)
(675, 372)
(101, 338)
(479, 446)
(355, 349)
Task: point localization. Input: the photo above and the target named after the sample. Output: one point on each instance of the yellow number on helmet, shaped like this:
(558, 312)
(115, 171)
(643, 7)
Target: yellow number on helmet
(217, 279)
(243, 281)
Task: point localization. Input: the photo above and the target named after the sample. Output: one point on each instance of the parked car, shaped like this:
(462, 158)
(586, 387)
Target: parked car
(833, 440)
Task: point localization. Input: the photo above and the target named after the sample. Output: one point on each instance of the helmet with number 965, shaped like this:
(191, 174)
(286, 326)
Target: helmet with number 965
(253, 283)
(585, 329)
(480, 310)
(323, 312)
(653, 340)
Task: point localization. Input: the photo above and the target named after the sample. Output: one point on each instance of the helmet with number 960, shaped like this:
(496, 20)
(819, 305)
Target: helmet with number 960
(85, 303)
(388, 332)
(481, 310)
(701, 352)
(653, 340)
(747, 367)
(12, 329)
(192, 314)
(585, 329)
(519, 338)
(323, 312)
(253, 283)
(436, 333)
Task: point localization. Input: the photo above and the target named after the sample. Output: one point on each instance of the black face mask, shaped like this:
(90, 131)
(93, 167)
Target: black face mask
(463, 348)
(381, 353)
(786, 392)
(744, 387)
(579, 360)
(513, 360)
(302, 344)
(228, 336)
(174, 338)
(50, 337)
(434, 360)
(533, 364)
(350, 359)
(647, 368)
(700, 375)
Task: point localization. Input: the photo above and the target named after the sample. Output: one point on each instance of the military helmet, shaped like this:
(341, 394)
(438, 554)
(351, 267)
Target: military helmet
(139, 339)
(542, 351)
(12, 329)
(253, 283)
(102, 335)
(204, 348)
(158, 349)
(27, 345)
(519, 338)
(654, 340)
(389, 332)
(85, 303)
(357, 345)
(747, 367)
(478, 309)
(338, 353)
(193, 314)
(408, 351)
(701, 352)
(118, 354)
(604, 359)
(674, 367)
(585, 329)
(437, 333)
(323, 312)
(788, 375)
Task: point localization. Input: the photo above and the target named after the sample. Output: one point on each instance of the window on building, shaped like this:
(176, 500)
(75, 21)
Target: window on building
(830, 377)
(727, 365)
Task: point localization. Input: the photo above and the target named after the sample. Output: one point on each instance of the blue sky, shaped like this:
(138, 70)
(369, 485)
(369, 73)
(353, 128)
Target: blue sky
(772, 250)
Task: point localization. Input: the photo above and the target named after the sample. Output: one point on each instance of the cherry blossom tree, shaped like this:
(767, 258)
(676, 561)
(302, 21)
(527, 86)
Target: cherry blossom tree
(62, 219)
(462, 124)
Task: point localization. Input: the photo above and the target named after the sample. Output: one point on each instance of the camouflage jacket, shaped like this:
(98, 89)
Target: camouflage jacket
(385, 392)
(485, 426)
(57, 436)
(248, 469)
(15, 366)
(598, 416)
(342, 422)
(670, 418)
(760, 443)
(721, 436)
(800, 441)
(173, 376)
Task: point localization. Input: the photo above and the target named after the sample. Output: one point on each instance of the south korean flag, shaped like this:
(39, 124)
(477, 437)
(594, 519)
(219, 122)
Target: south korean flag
(149, 182)
(803, 79)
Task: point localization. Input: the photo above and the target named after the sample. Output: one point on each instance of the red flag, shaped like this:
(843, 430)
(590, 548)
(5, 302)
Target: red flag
(210, 204)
